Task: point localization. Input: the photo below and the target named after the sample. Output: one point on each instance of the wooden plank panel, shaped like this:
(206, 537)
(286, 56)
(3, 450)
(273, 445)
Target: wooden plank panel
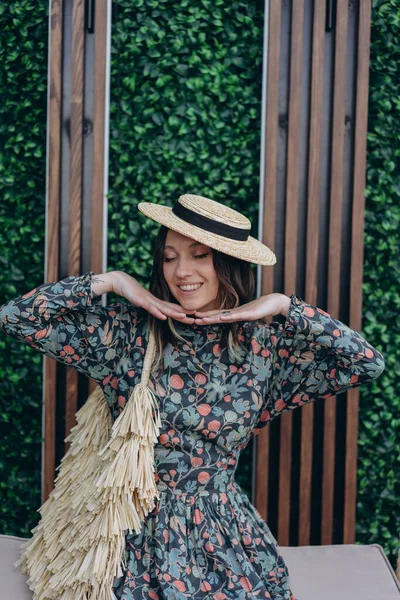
(313, 203)
(272, 117)
(291, 225)
(75, 205)
(357, 257)
(335, 236)
(52, 231)
(98, 141)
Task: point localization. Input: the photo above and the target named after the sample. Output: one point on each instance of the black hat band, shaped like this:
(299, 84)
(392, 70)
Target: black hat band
(233, 233)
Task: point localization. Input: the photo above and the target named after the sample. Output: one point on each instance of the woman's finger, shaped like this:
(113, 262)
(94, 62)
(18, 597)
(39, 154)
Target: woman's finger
(170, 309)
(153, 310)
(241, 317)
(187, 320)
(156, 312)
(230, 316)
(163, 312)
(162, 305)
(220, 317)
(208, 313)
(173, 305)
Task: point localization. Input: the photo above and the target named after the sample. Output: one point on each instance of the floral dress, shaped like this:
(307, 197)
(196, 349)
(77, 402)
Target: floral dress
(204, 539)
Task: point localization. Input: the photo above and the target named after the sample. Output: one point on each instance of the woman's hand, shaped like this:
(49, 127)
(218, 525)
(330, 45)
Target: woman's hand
(260, 309)
(126, 286)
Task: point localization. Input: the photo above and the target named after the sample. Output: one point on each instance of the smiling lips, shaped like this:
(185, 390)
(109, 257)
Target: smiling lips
(188, 288)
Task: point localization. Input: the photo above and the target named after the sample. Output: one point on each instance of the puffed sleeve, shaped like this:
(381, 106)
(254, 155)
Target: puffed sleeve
(63, 321)
(311, 356)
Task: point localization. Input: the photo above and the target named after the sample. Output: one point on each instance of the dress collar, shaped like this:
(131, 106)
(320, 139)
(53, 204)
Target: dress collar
(194, 329)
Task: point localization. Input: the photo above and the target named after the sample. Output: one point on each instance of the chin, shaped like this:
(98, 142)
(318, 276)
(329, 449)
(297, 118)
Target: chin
(203, 307)
(193, 304)
(191, 309)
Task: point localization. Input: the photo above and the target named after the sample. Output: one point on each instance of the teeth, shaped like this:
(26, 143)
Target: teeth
(189, 288)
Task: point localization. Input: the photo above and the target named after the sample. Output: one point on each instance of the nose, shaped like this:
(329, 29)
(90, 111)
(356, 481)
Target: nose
(183, 268)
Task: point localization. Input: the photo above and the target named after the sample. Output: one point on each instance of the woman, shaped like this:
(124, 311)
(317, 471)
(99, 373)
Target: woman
(220, 373)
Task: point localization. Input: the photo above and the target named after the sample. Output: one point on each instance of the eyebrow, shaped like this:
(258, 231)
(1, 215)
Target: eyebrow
(190, 245)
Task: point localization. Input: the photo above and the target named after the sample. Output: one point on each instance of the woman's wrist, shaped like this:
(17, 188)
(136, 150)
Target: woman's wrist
(103, 283)
(285, 306)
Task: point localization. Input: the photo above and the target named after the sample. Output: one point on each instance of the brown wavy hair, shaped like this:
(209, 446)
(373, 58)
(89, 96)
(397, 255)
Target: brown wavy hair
(236, 287)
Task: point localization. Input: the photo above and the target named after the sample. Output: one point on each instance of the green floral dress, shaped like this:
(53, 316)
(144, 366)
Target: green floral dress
(204, 539)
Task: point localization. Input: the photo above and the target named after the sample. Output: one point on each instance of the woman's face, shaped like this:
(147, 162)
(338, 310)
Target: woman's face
(190, 263)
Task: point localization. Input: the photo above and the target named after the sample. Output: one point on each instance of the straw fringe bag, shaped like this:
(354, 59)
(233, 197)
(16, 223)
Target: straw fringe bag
(104, 488)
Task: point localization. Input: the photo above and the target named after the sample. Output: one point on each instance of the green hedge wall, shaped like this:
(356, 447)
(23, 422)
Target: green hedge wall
(185, 117)
(23, 91)
(378, 514)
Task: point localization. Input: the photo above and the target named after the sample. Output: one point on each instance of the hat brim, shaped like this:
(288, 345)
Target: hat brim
(251, 250)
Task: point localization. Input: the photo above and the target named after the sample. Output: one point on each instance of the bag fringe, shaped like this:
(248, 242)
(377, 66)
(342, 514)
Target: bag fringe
(105, 488)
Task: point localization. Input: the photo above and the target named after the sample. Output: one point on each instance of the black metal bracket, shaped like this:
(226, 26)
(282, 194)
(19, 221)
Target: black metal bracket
(330, 14)
(89, 15)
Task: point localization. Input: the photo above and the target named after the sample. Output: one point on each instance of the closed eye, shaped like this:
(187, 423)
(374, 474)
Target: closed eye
(196, 256)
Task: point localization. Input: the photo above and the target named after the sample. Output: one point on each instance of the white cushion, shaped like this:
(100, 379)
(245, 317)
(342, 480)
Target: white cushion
(12, 583)
(341, 572)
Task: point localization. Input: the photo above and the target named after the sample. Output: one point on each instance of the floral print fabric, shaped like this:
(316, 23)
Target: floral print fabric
(204, 538)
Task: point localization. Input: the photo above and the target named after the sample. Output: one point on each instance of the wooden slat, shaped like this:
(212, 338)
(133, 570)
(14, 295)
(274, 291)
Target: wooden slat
(291, 225)
(262, 440)
(357, 257)
(98, 135)
(98, 141)
(335, 236)
(313, 204)
(75, 182)
(271, 134)
(53, 225)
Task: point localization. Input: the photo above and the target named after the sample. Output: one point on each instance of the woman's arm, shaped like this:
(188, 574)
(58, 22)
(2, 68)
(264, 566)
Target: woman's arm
(315, 356)
(65, 321)
(62, 320)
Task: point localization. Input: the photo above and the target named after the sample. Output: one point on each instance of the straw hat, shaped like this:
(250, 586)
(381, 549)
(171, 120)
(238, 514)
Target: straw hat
(213, 224)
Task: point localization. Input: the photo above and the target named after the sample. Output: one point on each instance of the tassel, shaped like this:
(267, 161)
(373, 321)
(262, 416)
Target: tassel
(105, 487)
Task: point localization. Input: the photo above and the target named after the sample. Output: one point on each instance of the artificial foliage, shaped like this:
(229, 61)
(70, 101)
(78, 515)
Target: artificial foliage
(23, 85)
(378, 500)
(185, 118)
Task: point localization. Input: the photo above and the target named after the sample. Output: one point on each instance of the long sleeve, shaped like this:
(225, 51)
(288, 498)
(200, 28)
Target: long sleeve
(312, 355)
(63, 321)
